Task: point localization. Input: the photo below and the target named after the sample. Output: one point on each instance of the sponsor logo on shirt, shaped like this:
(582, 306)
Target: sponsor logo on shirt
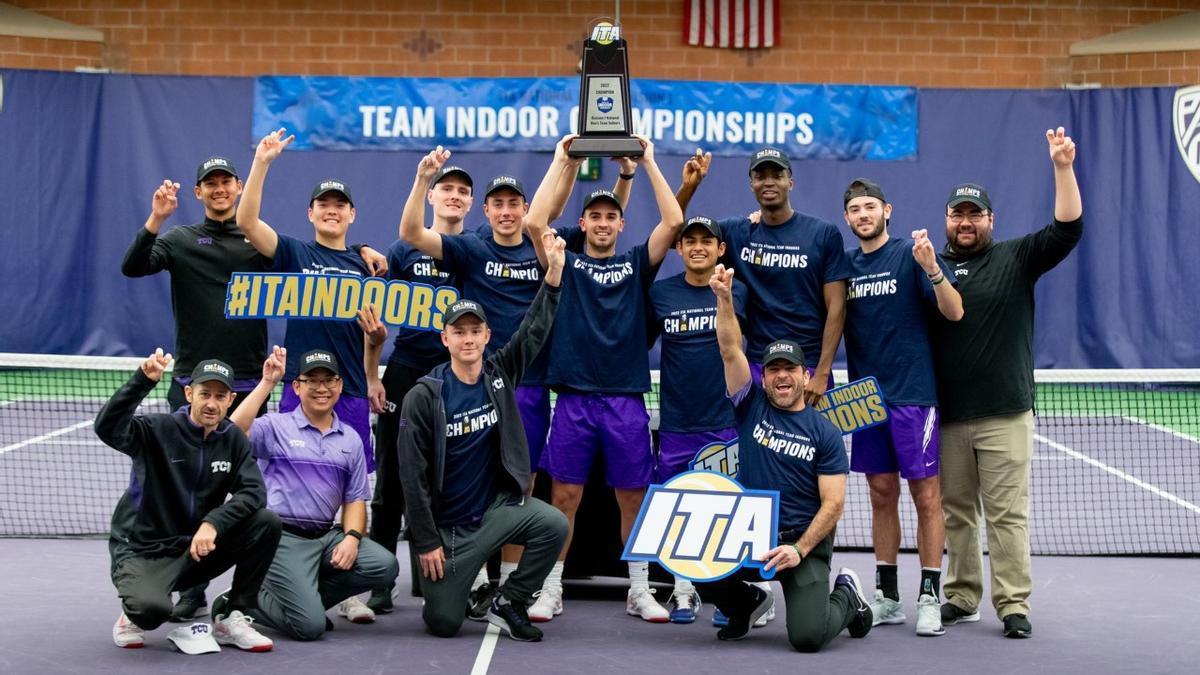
(774, 255)
(295, 443)
(961, 272)
(783, 442)
(220, 466)
(204, 241)
(497, 384)
(605, 275)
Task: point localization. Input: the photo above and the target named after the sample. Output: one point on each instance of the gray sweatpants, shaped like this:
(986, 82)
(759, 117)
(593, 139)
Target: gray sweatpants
(302, 583)
(510, 519)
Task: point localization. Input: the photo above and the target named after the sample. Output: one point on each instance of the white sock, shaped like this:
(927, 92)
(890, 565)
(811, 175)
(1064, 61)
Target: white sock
(506, 568)
(684, 586)
(554, 579)
(639, 575)
(481, 578)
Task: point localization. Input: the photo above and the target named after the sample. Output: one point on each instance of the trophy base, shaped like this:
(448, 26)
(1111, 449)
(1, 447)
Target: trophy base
(605, 146)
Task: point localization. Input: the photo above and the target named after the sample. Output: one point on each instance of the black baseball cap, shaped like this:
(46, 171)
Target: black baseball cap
(603, 195)
(969, 192)
(462, 308)
(770, 156)
(331, 185)
(504, 182)
(862, 187)
(318, 358)
(784, 350)
(704, 222)
(213, 165)
(213, 370)
(448, 170)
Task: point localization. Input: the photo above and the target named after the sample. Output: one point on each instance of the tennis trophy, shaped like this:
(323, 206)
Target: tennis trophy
(605, 122)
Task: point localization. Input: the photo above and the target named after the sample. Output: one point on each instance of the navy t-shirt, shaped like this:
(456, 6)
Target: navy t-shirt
(504, 279)
(599, 341)
(786, 267)
(472, 452)
(692, 390)
(786, 451)
(420, 349)
(343, 338)
(887, 322)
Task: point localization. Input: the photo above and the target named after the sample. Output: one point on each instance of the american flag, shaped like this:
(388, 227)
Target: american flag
(749, 24)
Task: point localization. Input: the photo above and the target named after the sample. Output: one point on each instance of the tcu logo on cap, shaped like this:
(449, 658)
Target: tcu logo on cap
(317, 357)
(216, 368)
(967, 192)
(332, 185)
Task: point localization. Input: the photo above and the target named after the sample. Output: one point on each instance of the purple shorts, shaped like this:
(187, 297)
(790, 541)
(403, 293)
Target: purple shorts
(613, 425)
(907, 443)
(756, 375)
(353, 411)
(534, 404)
(676, 449)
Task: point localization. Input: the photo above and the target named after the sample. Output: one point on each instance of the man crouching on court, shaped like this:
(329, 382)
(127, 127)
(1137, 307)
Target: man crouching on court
(464, 466)
(173, 528)
(812, 492)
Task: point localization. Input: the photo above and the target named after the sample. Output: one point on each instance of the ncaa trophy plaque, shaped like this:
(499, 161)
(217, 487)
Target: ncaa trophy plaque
(605, 122)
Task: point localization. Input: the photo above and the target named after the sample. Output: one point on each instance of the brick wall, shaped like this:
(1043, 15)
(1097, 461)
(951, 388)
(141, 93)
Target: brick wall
(984, 43)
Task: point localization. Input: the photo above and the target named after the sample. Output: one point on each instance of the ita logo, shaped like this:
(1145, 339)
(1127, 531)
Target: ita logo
(1185, 118)
(704, 526)
(721, 457)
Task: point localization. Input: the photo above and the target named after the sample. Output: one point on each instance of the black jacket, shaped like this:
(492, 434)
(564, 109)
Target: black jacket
(422, 441)
(179, 478)
(984, 362)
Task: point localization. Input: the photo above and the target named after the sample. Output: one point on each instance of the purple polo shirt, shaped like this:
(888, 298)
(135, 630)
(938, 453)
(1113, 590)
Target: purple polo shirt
(309, 474)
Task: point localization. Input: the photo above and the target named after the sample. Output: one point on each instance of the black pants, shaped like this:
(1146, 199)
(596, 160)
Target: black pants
(387, 504)
(814, 615)
(145, 584)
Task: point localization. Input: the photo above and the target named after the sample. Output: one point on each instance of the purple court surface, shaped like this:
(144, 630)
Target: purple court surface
(1091, 615)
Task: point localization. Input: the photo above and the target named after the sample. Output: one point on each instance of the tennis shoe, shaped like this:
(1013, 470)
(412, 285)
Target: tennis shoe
(770, 615)
(236, 630)
(683, 606)
(353, 609)
(547, 604)
(640, 602)
(512, 619)
(929, 617)
(381, 601)
(127, 634)
(862, 621)
(888, 611)
(738, 625)
(952, 614)
(479, 602)
(1017, 626)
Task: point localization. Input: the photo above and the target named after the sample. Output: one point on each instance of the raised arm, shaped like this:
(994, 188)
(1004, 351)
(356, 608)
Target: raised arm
(670, 215)
(949, 302)
(623, 186)
(694, 171)
(1068, 204)
(260, 235)
(116, 424)
(515, 356)
(272, 373)
(729, 333)
(146, 255)
(412, 222)
(561, 177)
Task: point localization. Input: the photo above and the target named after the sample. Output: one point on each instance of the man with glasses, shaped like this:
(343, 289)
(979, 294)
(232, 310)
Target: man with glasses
(984, 368)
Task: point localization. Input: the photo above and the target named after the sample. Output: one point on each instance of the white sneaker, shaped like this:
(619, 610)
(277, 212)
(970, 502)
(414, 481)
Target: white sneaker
(194, 639)
(127, 634)
(929, 617)
(641, 602)
(353, 609)
(235, 630)
(547, 604)
(888, 611)
(770, 615)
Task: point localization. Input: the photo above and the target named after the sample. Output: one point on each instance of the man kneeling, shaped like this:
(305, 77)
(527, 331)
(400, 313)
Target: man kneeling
(313, 463)
(464, 466)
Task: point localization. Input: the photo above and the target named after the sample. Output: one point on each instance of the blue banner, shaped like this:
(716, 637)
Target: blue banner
(530, 114)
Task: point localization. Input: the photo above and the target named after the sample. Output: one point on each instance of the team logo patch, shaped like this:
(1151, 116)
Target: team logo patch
(1185, 118)
(704, 526)
(855, 406)
(604, 104)
(717, 457)
(605, 33)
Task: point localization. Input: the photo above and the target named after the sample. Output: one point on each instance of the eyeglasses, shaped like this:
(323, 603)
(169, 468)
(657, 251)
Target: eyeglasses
(320, 384)
(975, 218)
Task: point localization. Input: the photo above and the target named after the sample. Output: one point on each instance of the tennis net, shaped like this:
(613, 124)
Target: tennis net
(1115, 470)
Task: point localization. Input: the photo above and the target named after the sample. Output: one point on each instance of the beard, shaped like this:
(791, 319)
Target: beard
(785, 402)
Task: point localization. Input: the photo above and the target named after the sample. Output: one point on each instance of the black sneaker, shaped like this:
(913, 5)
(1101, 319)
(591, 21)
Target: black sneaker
(860, 625)
(189, 607)
(380, 601)
(512, 619)
(479, 601)
(1017, 626)
(739, 624)
(952, 614)
(220, 606)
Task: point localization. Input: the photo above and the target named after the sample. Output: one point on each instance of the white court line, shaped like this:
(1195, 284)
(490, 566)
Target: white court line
(484, 658)
(1179, 501)
(75, 441)
(4, 403)
(1165, 430)
(43, 437)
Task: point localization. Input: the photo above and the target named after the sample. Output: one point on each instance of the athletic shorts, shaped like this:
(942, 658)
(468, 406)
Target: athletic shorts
(676, 449)
(907, 443)
(615, 426)
(756, 375)
(534, 404)
(353, 411)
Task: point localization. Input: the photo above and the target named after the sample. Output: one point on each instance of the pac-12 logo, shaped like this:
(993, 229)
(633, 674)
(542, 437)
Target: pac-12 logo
(721, 457)
(1185, 118)
(704, 526)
